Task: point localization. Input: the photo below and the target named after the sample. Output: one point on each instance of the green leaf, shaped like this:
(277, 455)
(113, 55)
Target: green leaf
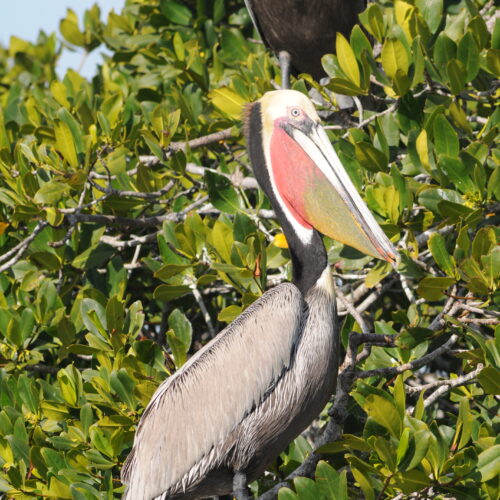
(414, 480)
(489, 378)
(101, 440)
(347, 59)
(445, 137)
(385, 450)
(115, 315)
(222, 240)
(123, 386)
(468, 55)
(421, 439)
(457, 75)
(229, 313)
(370, 157)
(399, 395)
(432, 11)
(166, 293)
(175, 12)
(27, 392)
(373, 21)
(457, 172)
(51, 192)
(464, 424)
(181, 326)
(491, 266)
(488, 463)
(287, 494)
(178, 46)
(443, 259)
(228, 101)
(65, 143)
(94, 317)
(419, 407)
(86, 417)
(70, 384)
(359, 42)
(432, 287)
(346, 87)
(394, 57)
(330, 483)
(306, 488)
(169, 270)
(222, 194)
(384, 413)
(364, 483)
(70, 31)
(484, 241)
(444, 50)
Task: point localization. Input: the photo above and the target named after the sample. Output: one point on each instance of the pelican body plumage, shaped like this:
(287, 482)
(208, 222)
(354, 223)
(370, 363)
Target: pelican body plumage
(305, 29)
(242, 398)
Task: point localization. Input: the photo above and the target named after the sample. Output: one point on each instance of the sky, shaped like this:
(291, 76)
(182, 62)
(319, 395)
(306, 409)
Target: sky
(24, 18)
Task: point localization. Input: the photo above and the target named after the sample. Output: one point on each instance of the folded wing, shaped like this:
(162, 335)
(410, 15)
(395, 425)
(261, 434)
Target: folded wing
(196, 409)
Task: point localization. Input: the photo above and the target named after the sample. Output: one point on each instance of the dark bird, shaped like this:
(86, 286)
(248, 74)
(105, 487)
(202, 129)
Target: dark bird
(216, 423)
(303, 30)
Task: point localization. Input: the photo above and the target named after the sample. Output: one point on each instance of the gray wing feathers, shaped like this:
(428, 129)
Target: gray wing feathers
(225, 380)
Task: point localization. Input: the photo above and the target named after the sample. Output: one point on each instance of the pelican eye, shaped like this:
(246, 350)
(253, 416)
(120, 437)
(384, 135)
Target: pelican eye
(295, 113)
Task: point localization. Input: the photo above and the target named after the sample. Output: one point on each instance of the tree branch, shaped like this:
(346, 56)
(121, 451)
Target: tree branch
(18, 251)
(136, 194)
(443, 387)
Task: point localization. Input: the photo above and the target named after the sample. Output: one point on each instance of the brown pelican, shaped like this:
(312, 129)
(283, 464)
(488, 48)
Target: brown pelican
(236, 404)
(303, 30)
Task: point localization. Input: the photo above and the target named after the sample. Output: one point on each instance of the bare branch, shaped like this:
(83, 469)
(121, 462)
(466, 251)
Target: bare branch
(204, 311)
(406, 288)
(444, 386)
(237, 180)
(368, 120)
(422, 238)
(376, 294)
(69, 232)
(480, 321)
(412, 365)
(136, 194)
(352, 310)
(18, 251)
(134, 240)
(477, 310)
(221, 135)
(450, 303)
(140, 222)
(453, 382)
(173, 147)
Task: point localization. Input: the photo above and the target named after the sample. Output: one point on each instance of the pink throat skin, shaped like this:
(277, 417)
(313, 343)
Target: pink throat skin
(292, 170)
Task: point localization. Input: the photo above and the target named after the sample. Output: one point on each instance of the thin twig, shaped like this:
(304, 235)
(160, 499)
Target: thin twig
(445, 386)
(18, 251)
(135, 194)
(480, 321)
(173, 147)
(477, 310)
(69, 232)
(134, 240)
(204, 311)
(352, 310)
(453, 382)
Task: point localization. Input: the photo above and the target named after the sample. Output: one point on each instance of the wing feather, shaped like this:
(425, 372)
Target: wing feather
(196, 408)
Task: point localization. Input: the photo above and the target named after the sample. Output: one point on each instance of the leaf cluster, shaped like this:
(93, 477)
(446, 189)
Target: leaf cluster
(131, 231)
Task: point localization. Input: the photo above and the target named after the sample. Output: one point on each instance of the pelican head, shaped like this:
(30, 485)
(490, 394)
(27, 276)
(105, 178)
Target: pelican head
(297, 167)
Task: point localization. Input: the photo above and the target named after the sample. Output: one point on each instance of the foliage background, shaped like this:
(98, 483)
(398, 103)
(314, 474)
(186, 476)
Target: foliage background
(127, 242)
